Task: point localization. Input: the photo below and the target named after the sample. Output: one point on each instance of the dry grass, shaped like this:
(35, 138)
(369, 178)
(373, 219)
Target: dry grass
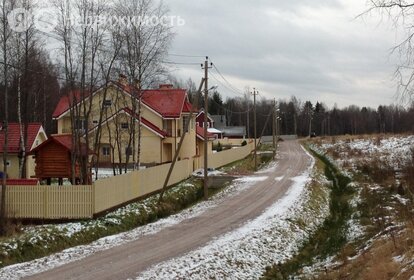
(378, 261)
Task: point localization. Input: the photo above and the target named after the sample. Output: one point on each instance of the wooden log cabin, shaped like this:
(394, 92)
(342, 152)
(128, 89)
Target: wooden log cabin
(53, 159)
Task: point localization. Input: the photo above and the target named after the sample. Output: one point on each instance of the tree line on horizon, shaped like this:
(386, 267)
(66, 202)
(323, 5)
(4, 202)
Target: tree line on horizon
(304, 118)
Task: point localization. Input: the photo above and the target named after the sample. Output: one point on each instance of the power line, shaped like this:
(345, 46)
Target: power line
(228, 110)
(36, 72)
(180, 63)
(224, 78)
(56, 37)
(225, 85)
(185, 55)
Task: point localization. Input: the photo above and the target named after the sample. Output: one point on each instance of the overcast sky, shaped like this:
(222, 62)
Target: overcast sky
(315, 50)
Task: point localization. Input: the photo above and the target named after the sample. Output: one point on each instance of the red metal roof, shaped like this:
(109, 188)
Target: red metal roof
(65, 102)
(65, 140)
(200, 133)
(187, 107)
(168, 102)
(147, 123)
(14, 136)
(22, 182)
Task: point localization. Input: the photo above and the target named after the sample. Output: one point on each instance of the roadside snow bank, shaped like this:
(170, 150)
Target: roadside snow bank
(244, 253)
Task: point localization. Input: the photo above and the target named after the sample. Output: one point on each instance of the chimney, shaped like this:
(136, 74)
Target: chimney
(166, 86)
(122, 79)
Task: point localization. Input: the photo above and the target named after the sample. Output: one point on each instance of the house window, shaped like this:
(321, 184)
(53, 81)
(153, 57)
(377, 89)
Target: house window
(128, 151)
(106, 151)
(185, 121)
(107, 103)
(167, 127)
(80, 124)
(125, 125)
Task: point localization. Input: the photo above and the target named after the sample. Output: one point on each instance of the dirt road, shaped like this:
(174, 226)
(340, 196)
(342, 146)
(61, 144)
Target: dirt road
(127, 260)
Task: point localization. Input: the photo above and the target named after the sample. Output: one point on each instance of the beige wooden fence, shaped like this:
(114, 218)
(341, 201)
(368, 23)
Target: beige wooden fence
(82, 202)
(49, 202)
(225, 157)
(116, 190)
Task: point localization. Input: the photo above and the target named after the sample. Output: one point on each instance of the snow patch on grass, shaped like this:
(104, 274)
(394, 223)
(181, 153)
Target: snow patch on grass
(244, 253)
(18, 271)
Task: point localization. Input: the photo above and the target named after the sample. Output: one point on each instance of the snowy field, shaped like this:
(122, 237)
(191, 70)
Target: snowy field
(393, 151)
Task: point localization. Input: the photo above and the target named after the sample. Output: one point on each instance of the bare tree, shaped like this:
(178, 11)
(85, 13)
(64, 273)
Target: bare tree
(5, 37)
(401, 14)
(24, 45)
(107, 63)
(145, 44)
(82, 44)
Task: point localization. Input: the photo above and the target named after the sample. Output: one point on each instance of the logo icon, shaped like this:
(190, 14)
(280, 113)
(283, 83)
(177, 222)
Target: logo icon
(19, 19)
(45, 20)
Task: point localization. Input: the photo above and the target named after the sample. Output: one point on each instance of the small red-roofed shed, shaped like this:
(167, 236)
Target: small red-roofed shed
(53, 158)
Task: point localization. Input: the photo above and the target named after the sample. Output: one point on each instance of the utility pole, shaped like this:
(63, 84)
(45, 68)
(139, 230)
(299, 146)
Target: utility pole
(274, 128)
(187, 127)
(205, 184)
(254, 127)
(248, 117)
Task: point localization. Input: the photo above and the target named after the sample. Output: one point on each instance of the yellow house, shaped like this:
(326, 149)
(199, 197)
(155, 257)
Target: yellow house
(35, 136)
(114, 124)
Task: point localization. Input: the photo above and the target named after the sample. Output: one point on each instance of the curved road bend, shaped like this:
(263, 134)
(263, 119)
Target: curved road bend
(127, 260)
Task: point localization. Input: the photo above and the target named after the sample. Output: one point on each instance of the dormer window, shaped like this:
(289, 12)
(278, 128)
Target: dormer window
(80, 124)
(125, 125)
(107, 103)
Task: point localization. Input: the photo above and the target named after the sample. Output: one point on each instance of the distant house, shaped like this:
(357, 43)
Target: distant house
(53, 158)
(35, 136)
(200, 144)
(234, 131)
(200, 119)
(211, 124)
(220, 123)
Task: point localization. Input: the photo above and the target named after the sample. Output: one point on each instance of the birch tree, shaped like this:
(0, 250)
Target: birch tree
(5, 36)
(24, 46)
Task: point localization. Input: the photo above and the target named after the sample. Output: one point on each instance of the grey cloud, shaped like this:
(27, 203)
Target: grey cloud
(248, 42)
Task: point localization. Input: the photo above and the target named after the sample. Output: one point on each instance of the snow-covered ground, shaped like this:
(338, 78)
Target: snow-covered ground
(244, 253)
(390, 151)
(393, 151)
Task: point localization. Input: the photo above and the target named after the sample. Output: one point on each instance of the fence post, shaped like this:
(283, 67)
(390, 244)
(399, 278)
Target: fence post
(93, 200)
(45, 203)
